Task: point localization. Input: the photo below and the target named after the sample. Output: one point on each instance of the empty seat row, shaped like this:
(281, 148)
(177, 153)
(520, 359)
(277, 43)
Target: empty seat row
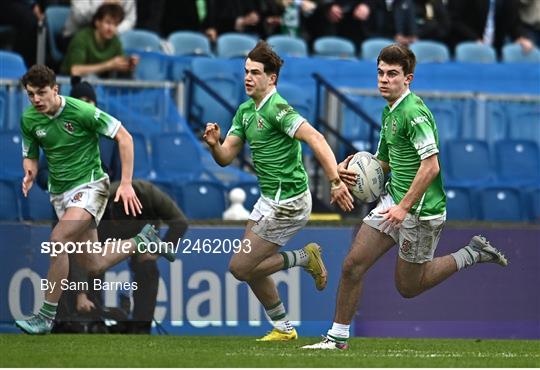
(493, 203)
(199, 200)
(456, 119)
(470, 163)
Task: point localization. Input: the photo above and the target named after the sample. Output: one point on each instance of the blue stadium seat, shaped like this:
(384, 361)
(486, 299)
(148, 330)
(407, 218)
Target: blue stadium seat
(235, 45)
(513, 53)
(288, 46)
(140, 40)
(141, 166)
(447, 119)
(178, 65)
(55, 18)
(10, 208)
(535, 205)
(524, 122)
(202, 200)
(518, 162)
(153, 66)
(37, 207)
(252, 191)
(108, 153)
(175, 158)
(353, 126)
(473, 52)
(475, 154)
(427, 51)
(459, 204)
(11, 156)
(500, 204)
(335, 47)
(189, 43)
(371, 48)
(300, 99)
(223, 78)
(496, 122)
(11, 65)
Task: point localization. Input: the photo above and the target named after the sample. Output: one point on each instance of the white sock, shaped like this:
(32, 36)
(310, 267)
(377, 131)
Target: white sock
(465, 257)
(339, 332)
(298, 257)
(278, 315)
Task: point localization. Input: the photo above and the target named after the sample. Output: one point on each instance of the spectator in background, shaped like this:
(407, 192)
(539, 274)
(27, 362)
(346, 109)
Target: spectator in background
(351, 19)
(294, 14)
(98, 50)
(82, 12)
(258, 17)
(157, 208)
(432, 20)
(529, 13)
(24, 16)
(150, 15)
(190, 15)
(488, 22)
(395, 19)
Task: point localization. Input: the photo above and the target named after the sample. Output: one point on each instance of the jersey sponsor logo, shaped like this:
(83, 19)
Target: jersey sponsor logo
(418, 120)
(77, 197)
(284, 109)
(394, 126)
(260, 124)
(41, 132)
(69, 127)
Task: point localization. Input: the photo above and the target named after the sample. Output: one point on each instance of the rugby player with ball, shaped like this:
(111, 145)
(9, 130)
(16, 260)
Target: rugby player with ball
(412, 212)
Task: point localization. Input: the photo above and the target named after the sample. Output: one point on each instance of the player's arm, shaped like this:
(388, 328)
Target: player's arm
(325, 156)
(125, 189)
(30, 166)
(118, 63)
(224, 153)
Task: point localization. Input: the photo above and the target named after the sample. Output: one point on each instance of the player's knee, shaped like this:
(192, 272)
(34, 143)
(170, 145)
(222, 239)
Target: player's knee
(239, 271)
(96, 269)
(407, 290)
(353, 269)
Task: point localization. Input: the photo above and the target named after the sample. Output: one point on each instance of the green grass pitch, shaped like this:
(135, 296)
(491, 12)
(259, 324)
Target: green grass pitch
(20, 350)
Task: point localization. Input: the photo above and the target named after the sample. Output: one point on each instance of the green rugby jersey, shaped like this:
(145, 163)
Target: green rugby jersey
(409, 135)
(69, 140)
(277, 155)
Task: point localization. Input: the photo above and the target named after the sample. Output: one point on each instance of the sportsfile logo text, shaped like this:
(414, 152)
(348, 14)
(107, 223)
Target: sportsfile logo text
(183, 246)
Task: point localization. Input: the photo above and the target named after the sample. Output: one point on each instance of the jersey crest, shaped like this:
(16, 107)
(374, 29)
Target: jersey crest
(77, 197)
(69, 127)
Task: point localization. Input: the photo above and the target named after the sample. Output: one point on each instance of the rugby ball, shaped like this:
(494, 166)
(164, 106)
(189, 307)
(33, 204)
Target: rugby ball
(370, 180)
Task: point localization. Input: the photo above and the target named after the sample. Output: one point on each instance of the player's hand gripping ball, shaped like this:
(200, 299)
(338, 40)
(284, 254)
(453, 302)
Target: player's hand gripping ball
(370, 179)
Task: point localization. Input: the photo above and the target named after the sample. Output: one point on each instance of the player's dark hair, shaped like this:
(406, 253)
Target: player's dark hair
(115, 11)
(263, 53)
(40, 76)
(400, 55)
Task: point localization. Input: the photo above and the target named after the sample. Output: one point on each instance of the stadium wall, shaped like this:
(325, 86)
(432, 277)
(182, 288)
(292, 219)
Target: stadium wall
(197, 296)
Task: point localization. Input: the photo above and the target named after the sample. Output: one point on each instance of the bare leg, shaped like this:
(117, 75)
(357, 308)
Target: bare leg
(74, 223)
(115, 252)
(368, 246)
(256, 266)
(413, 278)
